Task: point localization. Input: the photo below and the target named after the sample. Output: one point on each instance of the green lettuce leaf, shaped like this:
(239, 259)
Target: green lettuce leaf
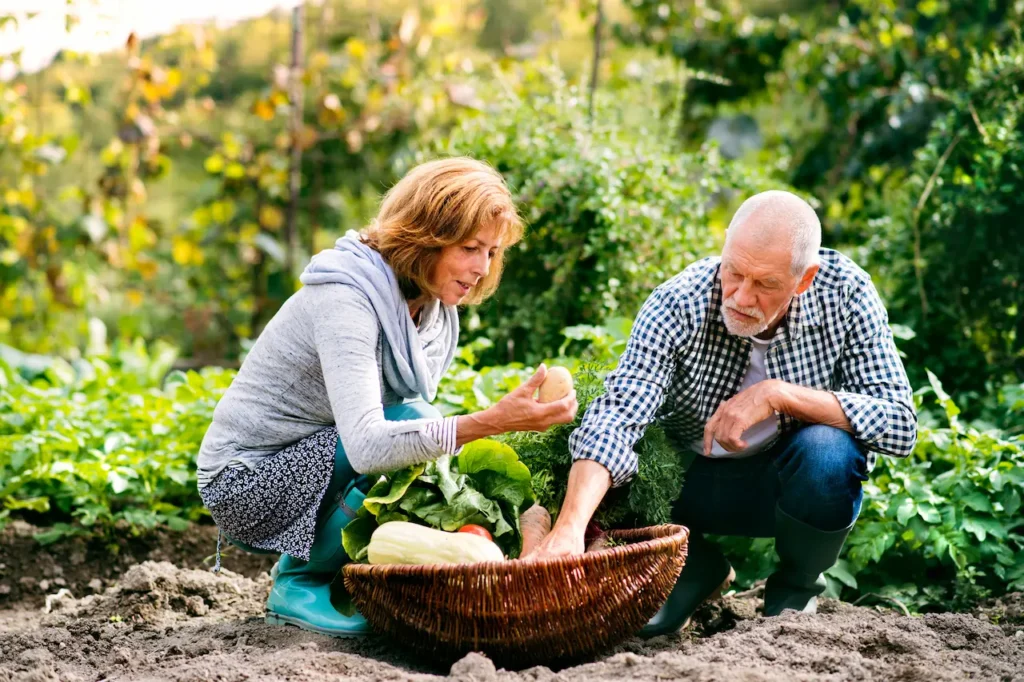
(485, 484)
(355, 537)
(497, 472)
(396, 485)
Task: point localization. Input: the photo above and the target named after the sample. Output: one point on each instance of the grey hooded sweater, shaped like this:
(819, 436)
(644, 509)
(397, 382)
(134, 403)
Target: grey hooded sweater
(319, 363)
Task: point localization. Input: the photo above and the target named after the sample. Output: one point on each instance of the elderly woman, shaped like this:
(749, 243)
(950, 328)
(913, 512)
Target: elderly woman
(339, 383)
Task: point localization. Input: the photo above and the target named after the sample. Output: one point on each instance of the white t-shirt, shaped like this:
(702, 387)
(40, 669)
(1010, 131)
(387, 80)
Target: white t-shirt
(761, 432)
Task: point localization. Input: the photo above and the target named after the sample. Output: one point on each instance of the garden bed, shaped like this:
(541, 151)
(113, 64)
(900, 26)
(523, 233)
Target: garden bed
(161, 621)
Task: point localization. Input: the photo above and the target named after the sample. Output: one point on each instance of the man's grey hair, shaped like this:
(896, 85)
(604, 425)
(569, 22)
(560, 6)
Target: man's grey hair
(777, 211)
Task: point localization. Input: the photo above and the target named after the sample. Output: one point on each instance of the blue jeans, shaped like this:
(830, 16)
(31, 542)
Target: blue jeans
(814, 475)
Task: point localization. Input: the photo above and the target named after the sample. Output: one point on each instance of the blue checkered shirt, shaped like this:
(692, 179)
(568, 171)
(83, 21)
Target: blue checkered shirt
(681, 363)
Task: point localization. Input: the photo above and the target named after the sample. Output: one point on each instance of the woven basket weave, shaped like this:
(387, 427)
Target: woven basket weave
(523, 613)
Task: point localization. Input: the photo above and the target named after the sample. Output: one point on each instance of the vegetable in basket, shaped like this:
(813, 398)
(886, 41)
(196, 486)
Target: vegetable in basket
(401, 542)
(474, 529)
(485, 485)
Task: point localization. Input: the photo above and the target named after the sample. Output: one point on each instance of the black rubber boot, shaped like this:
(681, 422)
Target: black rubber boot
(705, 575)
(805, 554)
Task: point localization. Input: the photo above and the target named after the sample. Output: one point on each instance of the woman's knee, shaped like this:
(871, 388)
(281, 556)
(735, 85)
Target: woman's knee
(417, 409)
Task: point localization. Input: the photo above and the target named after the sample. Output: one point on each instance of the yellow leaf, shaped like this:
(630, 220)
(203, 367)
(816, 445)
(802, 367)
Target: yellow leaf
(263, 109)
(134, 297)
(214, 164)
(12, 197)
(232, 146)
(222, 211)
(151, 92)
(248, 232)
(350, 78)
(173, 79)
(235, 171)
(202, 216)
(25, 244)
(356, 47)
(271, 217)
(186, 252)
(146, 267)
(140, 236)
(319, 60)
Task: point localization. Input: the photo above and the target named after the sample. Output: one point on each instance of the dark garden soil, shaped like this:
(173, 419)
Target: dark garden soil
(170, 618)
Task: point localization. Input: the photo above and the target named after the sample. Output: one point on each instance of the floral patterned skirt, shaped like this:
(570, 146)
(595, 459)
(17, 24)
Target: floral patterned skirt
(274, 506)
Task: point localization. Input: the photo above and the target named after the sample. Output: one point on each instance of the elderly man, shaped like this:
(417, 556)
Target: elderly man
(775, 367)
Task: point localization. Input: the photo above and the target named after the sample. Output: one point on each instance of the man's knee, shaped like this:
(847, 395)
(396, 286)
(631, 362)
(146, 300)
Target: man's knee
(825, 457)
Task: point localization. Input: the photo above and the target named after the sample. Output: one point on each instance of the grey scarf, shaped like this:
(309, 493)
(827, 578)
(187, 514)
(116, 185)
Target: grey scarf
(414, 359)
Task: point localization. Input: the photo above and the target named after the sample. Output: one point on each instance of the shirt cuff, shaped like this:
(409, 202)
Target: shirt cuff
(621, 471)
(866, 414)
(443, 432)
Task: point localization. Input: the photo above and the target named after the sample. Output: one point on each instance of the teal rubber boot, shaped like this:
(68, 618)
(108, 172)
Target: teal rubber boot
(805, 553)
(705, 575)
(301, 590)
(301, 593)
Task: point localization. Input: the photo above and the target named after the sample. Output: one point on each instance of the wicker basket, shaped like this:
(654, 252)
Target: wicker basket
(523, 613)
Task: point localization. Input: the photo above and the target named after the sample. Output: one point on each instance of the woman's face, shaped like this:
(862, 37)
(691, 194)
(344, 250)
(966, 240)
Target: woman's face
(462, 266)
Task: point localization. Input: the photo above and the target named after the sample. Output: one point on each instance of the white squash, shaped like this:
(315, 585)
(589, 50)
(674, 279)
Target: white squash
(556, 385)
(401, 542)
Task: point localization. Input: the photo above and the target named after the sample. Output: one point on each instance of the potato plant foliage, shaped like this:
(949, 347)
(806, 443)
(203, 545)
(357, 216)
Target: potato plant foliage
(107, 445)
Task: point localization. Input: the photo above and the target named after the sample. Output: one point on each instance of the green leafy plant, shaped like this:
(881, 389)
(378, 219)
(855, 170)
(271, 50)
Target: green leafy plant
(646, 500)
(485, 484)
(938, 530)
(105, 441)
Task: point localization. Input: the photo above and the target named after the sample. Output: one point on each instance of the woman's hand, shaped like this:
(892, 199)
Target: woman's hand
(521, 411)
(517, 411)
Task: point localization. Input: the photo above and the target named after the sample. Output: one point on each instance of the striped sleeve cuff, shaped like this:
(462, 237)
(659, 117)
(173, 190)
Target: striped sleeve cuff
(443, 432)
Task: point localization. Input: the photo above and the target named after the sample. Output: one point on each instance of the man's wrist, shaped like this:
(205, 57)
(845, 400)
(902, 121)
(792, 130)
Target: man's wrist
(779, 396)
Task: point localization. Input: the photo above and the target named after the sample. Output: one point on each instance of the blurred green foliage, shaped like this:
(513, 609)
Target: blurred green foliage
(612, 212)
(951, 255)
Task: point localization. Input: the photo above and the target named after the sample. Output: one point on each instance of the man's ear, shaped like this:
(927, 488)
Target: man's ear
(805, 281)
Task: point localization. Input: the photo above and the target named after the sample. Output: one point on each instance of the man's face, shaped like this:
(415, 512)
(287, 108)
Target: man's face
(758, 284)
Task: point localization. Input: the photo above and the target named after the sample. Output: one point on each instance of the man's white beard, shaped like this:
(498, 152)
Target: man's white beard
(747, 329)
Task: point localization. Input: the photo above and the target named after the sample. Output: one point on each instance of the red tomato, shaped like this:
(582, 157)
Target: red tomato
(476, 530)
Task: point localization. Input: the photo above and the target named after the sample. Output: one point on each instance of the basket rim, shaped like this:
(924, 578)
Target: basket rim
(665, 535)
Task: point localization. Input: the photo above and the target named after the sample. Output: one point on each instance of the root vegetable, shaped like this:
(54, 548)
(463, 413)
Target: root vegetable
(535, 523)
(556, 385)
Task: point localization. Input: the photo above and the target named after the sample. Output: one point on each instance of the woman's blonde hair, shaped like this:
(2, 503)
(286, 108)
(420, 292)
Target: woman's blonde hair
(437, 204)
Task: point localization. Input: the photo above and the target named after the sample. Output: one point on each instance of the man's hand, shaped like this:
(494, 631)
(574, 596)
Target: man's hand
(588, 482)
(739, 413)
(564, 541)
